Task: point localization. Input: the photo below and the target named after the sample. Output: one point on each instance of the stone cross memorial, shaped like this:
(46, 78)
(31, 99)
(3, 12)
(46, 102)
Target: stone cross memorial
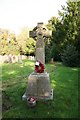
(39, 83)
(40, 32)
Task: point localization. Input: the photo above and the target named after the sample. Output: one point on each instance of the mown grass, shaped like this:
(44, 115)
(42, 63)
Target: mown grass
(64, 81)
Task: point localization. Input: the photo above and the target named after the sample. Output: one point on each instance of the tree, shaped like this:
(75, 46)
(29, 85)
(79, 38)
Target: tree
(8, 43)
(52, 23)
(70, 22)
(12, 44)
(55, 41)
(26, 44)
(66, 30)
(70, 56)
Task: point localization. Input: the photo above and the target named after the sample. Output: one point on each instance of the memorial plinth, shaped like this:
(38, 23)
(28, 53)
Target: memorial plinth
(39, 86)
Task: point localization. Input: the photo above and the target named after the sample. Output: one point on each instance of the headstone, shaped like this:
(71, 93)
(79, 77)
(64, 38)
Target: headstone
(39, 83)
(10, 58)
(6, 59)
(20, 59)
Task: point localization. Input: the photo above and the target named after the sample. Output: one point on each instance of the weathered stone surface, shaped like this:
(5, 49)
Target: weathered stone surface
(39, 85)
(40, 55)
(40, 32)
(20, 59)
(32, 85)
(40, 43)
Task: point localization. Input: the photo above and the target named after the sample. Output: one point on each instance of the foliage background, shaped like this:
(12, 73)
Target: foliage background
(65, 32)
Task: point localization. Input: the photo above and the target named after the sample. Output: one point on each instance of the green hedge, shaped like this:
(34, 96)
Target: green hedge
(70, 56)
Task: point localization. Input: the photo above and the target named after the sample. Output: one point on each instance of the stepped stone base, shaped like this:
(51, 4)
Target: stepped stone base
(39, 86)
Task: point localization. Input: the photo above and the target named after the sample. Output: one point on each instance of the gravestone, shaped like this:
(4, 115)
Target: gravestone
(10, 58)
(39, 83)
(20, 59)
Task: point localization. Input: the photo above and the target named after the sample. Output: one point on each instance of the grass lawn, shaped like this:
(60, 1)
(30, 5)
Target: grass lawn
(64, 81)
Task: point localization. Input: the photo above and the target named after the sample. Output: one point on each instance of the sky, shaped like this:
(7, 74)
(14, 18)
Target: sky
(15, 14)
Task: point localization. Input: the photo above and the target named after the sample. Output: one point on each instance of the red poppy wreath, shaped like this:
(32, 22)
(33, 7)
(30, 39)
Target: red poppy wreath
(39, 67)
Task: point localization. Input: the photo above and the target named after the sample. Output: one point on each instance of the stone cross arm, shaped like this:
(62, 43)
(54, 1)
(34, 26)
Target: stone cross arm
(47, 33)
(32, 34)
(41, 30)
